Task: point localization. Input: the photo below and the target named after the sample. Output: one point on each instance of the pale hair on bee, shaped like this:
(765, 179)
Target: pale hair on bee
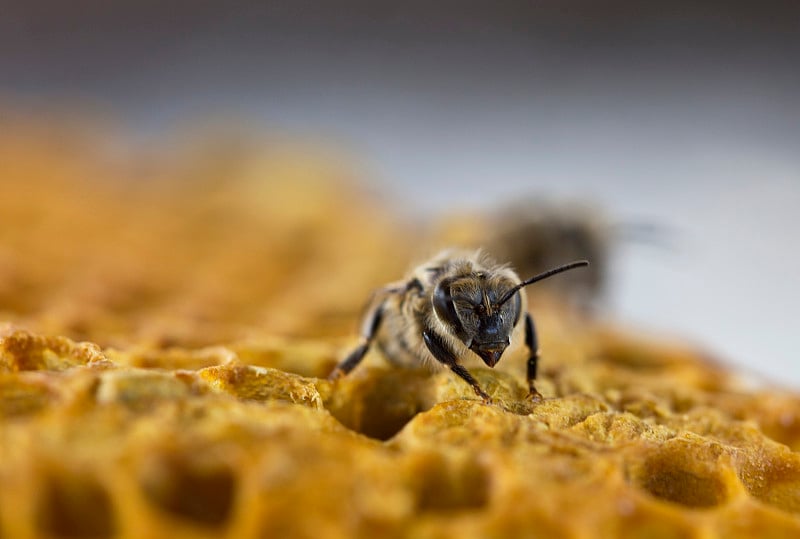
(456, 304)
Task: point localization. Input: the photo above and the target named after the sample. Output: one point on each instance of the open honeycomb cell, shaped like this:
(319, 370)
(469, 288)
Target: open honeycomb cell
(76, 507)
(165, 335)
(689, 471)
(200, 494)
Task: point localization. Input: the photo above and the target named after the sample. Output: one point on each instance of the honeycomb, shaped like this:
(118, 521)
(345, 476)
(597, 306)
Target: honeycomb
(168, 322)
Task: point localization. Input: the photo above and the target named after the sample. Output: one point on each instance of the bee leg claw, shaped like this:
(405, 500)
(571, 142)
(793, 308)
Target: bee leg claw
(534, 395)
(484, 397)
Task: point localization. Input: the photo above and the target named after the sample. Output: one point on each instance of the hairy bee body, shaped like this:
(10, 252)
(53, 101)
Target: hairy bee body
(407, 315)
(457, 305)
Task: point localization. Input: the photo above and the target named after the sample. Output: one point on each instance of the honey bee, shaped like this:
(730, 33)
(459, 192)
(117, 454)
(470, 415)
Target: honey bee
(458, 303)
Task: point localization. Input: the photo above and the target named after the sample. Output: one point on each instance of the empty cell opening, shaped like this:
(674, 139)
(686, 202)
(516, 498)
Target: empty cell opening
(451, 486)
(687, 474)
(203, 495)
(775, 480)
(381, 402)
(684, 487)
(75, 507)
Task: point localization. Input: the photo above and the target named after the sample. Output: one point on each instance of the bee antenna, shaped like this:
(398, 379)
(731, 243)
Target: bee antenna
(543, 275)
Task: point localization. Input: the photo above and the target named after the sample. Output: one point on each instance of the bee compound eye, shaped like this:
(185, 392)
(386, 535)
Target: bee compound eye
(443, 305)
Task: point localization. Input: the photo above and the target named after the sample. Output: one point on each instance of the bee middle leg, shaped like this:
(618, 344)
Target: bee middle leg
(533, 357)
(444, 355)
(371, 324)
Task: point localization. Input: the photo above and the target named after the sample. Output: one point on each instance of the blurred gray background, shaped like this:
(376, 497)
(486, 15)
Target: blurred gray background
(682, 114)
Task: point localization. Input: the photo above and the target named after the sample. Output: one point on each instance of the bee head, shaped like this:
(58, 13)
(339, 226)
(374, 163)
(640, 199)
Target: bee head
(481, 309)
(468, 306)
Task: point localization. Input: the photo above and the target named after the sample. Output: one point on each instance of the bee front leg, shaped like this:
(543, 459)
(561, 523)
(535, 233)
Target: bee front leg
(533, 357)
(371, 324)
(444, 355)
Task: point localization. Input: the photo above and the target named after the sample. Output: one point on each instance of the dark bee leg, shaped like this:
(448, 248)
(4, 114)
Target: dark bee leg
(533, 357)
(444, 355)
(371, 324)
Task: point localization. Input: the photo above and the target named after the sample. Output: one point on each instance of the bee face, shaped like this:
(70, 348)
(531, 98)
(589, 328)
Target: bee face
(469, 307)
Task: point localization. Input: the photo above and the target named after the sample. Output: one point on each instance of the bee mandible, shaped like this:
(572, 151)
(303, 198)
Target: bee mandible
(458, 303)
